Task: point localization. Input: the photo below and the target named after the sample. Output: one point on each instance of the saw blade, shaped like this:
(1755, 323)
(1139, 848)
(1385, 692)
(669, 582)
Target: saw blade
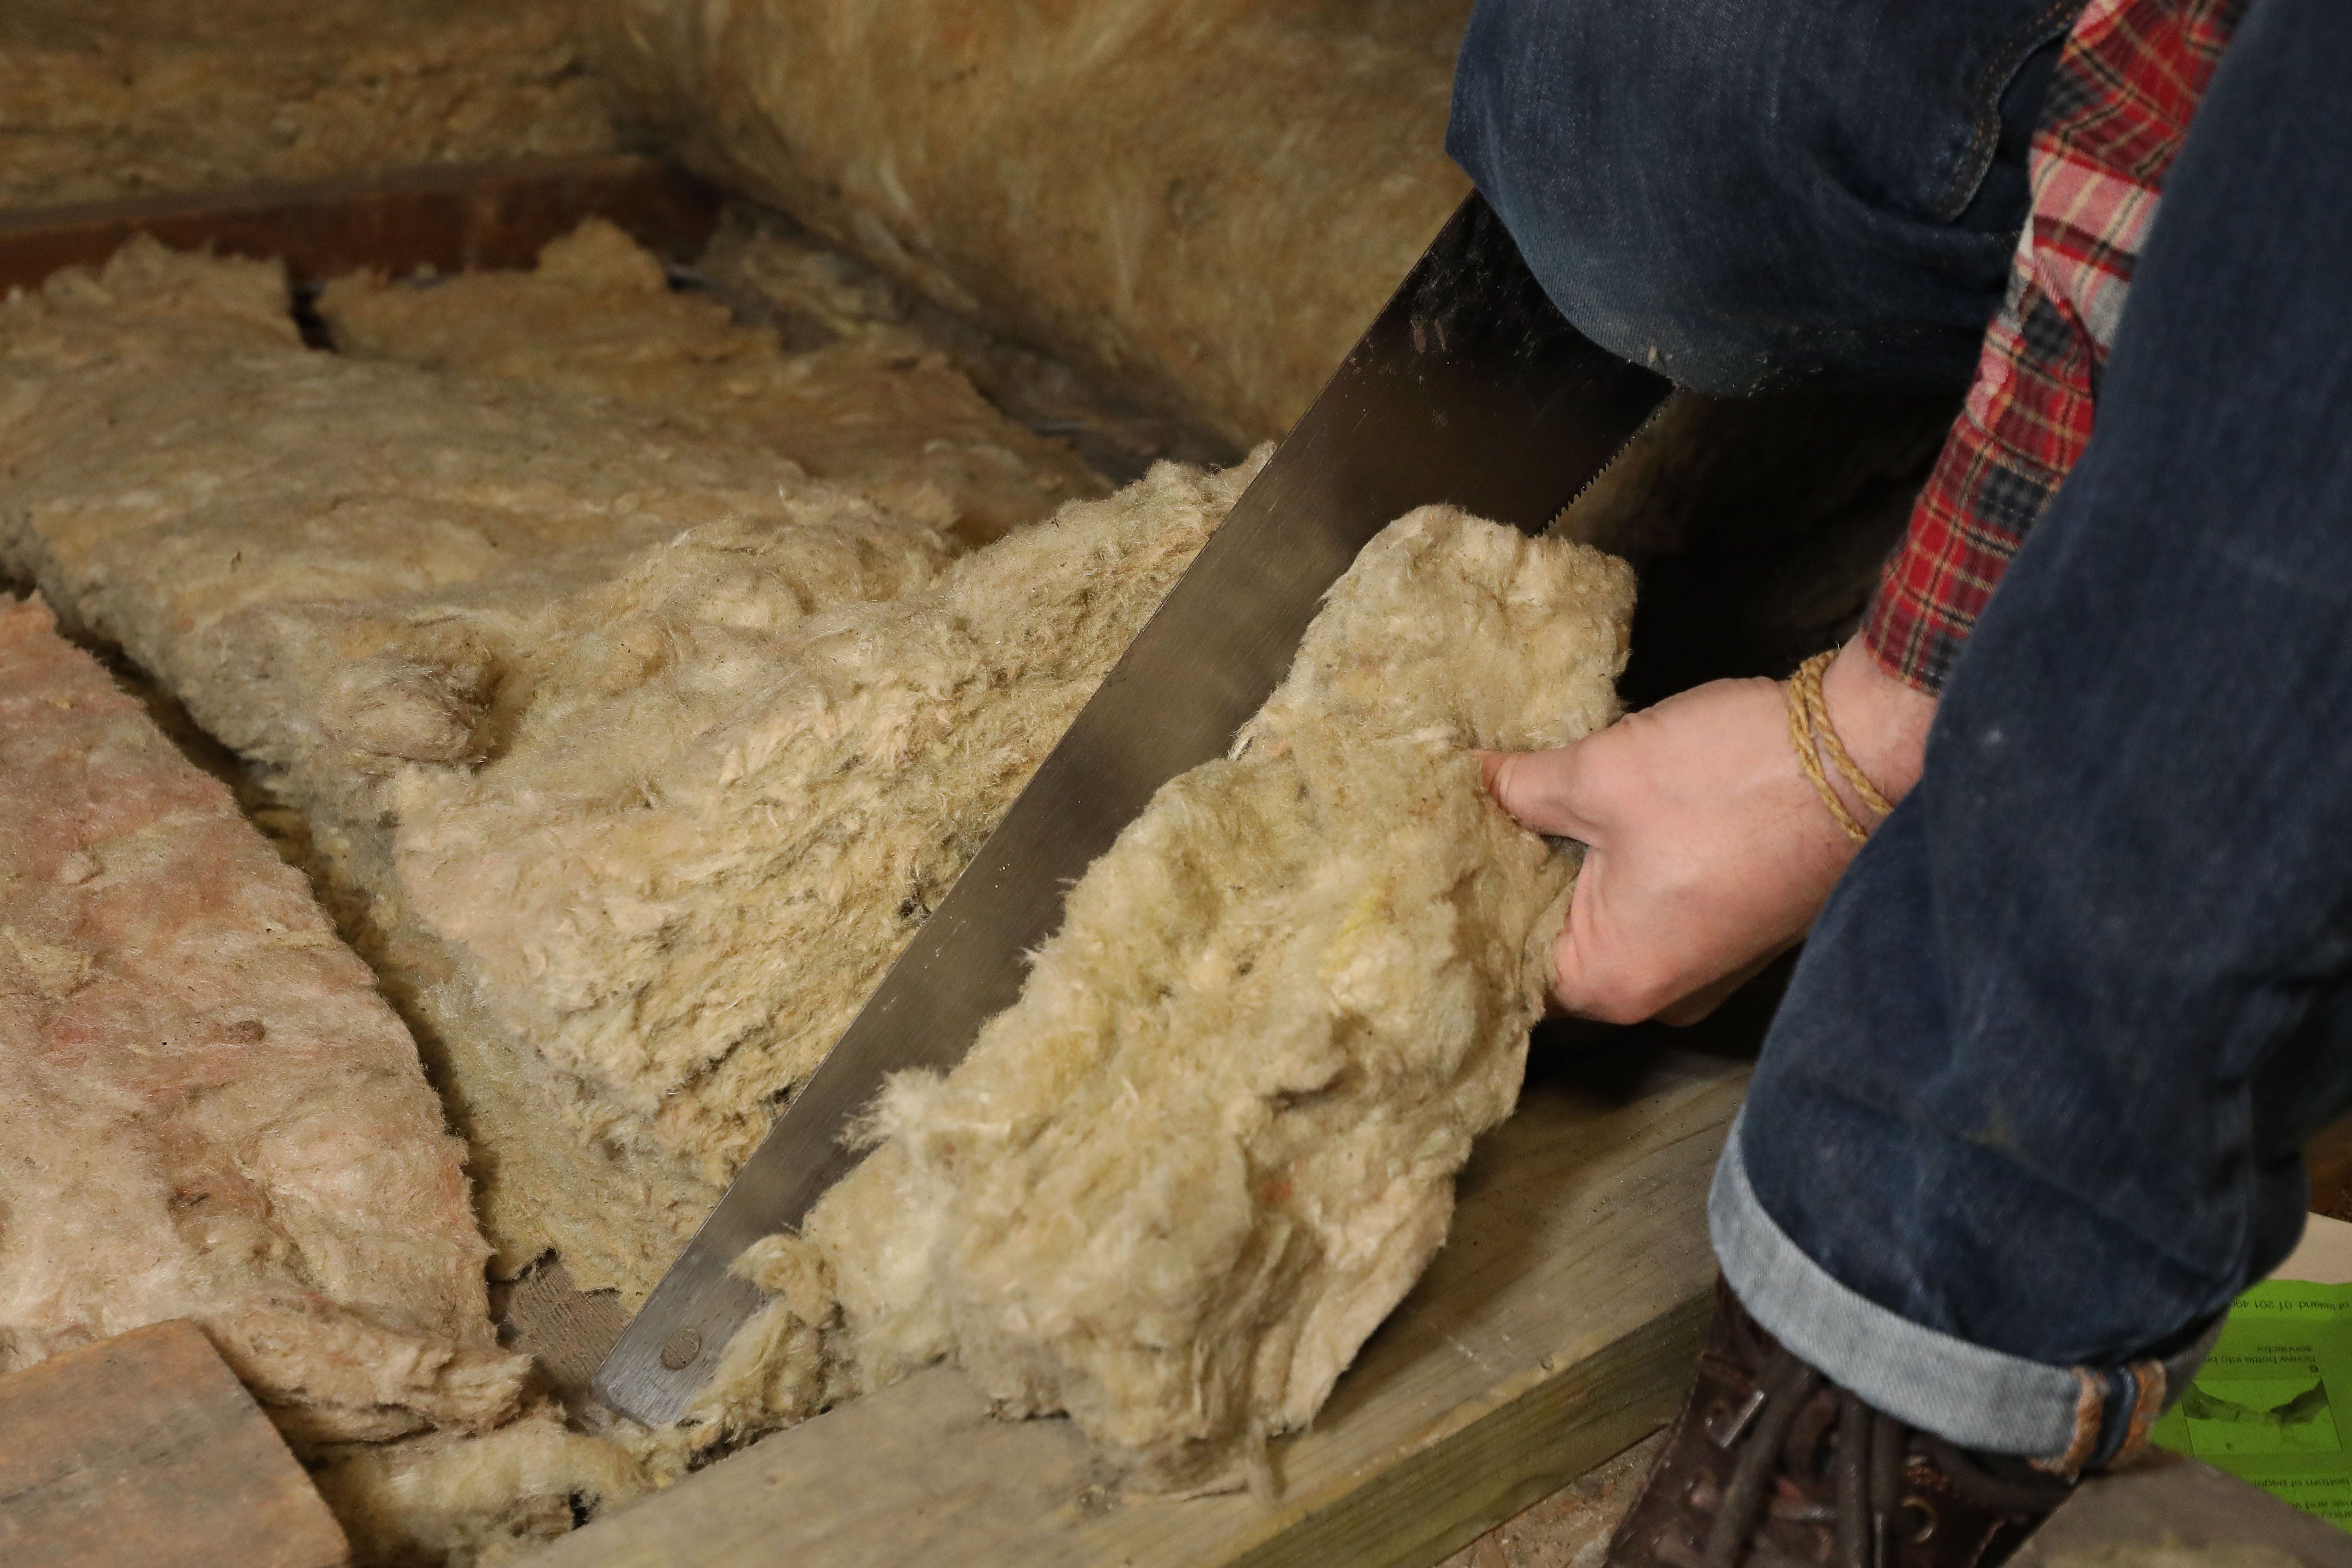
(1469, 388)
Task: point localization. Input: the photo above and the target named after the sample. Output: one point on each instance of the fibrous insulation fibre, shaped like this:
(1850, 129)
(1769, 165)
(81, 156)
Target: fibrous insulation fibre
(1204, 203)
(1173, 1189)
(881, 413)
(207, 1111)
(632, 754)
(122, 98)
(445, 610)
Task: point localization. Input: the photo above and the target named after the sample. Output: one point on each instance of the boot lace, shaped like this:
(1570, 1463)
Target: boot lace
(1812, 1451)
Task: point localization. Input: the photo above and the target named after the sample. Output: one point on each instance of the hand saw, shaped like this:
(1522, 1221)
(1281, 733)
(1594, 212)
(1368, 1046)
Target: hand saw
(1468, 388)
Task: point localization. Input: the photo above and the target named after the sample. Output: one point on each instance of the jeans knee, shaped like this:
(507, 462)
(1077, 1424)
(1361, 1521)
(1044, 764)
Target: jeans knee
(1550, 124)
(1750, 193)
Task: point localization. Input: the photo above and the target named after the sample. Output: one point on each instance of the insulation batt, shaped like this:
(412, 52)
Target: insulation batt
(208, 1112)
(628, 752)
(120, 98)
(1201, 202)
(361, 572)
(1174, 1187)
(881, 411)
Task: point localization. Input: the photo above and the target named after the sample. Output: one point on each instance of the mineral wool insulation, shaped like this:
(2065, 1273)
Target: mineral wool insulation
(879, 410)
(104, 98)
(1200, 202)
(1174, 1187)
(630, 753)
(208, 1112)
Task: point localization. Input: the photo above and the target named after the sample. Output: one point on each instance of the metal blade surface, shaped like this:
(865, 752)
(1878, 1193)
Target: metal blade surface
(1469, 388)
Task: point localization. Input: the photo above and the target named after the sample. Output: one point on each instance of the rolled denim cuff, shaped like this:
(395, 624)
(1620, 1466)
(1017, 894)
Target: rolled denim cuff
(2066, 1418)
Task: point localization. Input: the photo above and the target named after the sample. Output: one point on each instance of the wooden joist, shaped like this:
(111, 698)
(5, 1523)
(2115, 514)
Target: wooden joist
(2168, 1509)
(145, 1448)
(451, 218)
(1557, 1327)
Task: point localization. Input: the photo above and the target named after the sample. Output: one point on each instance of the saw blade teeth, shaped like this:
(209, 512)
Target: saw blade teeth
(1561, 516)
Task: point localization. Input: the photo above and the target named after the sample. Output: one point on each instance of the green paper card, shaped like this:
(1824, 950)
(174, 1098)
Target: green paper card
(2273, 1404)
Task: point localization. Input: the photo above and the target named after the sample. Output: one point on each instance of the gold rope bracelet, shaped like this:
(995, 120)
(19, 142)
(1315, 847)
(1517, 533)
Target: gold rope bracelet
(1812, 736)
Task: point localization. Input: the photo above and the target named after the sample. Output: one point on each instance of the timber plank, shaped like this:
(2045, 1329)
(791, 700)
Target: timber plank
(2185, 1510)
(1556, 1328)
(453, 218)
(144, 1449)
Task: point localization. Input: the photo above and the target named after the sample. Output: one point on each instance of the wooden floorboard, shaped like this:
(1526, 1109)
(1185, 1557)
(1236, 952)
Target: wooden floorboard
(1557, 1327)
(144, 1449)
(2164, 1508)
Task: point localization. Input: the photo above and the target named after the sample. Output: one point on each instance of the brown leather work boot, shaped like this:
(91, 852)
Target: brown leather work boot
(1769, 1464)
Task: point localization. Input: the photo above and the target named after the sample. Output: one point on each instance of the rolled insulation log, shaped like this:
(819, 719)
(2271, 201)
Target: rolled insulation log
(103, 100)
(1201, 201)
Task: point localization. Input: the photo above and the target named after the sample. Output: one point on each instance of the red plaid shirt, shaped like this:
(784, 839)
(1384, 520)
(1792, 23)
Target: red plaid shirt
(2127, 83)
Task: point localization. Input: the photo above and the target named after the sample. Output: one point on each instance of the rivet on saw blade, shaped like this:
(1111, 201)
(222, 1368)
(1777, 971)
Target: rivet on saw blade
(678, 1351)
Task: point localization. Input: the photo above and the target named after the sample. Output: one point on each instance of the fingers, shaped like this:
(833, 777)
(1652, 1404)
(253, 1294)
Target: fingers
(1598, 979)
(1696, 1006)
(1705, 849)
(1594, 975)
(1540, 789)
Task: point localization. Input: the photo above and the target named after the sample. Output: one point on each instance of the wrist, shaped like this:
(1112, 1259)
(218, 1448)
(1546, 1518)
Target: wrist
(1882, 719)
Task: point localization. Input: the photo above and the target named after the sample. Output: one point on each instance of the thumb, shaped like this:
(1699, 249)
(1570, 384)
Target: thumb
(1538, 789)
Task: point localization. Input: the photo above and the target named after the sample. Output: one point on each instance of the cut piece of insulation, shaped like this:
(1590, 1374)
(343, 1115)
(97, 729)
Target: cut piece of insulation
(1204, 203)
(207, 1111)
(1174, 1187)
(123, 98)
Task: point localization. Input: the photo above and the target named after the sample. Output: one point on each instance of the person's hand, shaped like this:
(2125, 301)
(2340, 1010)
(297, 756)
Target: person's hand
(1707, 850)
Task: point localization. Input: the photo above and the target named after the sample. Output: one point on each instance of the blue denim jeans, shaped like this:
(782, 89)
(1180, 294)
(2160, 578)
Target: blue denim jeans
(1751, 193)
(2032, 1110)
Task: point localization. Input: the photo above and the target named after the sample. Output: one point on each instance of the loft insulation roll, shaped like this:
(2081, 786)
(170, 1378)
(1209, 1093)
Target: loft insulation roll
(209, 1112)
(1204, 202)
(108, 99)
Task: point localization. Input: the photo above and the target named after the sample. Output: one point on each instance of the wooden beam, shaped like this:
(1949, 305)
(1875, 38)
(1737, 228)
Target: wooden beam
(2168, 1509)
(1556, 1328)
(144, 1449)
(453, 218)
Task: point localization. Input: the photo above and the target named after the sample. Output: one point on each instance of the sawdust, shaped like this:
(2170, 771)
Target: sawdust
(117, 97)
(882, 412)
(1173, 1189)
(1203, 203)
(209, 1113)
